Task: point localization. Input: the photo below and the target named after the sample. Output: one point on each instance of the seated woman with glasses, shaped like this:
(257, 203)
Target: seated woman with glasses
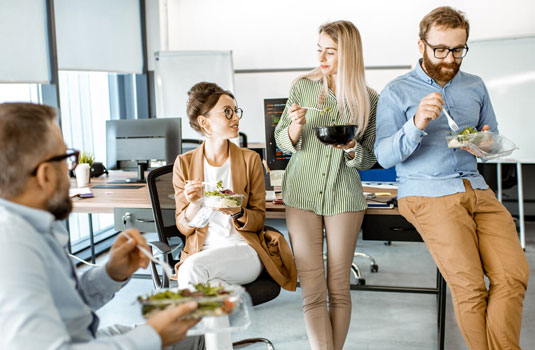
(230, 248)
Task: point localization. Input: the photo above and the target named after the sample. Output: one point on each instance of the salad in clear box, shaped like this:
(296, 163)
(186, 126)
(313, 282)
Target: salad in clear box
(231, 301)
(222, 198)
(484, 144)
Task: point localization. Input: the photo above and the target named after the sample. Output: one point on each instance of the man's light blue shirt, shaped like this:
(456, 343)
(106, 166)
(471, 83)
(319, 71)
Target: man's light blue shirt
(425, 166)
(43, 304)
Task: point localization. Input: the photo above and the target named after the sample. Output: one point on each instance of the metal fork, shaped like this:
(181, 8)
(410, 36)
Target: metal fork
(452, 124)
(165, 266)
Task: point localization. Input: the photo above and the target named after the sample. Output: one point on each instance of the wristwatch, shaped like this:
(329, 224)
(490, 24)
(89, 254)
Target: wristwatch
(352, 149)
(238, 214)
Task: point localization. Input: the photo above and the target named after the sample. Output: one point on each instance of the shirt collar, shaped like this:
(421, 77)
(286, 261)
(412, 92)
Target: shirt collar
(42, 221)
(422, 74)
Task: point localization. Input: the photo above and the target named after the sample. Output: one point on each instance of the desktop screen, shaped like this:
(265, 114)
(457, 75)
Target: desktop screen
(139, 143)
(273, 108)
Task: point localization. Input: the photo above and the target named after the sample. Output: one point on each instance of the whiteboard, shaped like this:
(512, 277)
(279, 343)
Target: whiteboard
(507, 67)
(175, 72)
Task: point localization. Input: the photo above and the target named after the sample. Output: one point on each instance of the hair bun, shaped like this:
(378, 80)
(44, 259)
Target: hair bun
(202, 97)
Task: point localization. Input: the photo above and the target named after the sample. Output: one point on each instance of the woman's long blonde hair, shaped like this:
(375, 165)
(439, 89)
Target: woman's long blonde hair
(351, 90)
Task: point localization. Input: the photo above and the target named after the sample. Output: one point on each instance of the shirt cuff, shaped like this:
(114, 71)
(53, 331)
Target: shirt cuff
(103, 281)
(285, 142)
(413, 133)
(145, 337)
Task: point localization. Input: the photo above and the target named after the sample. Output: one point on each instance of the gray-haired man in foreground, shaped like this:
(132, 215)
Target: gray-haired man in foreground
(43, 303)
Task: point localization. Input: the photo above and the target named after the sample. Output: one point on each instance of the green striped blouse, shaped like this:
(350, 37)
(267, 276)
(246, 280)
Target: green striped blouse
(318, 177)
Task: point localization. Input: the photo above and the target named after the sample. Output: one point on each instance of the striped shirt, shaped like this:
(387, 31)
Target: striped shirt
(322, 178)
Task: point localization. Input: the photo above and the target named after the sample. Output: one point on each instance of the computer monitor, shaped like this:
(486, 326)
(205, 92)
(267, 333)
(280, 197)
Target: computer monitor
(132, 144)
(273, 108)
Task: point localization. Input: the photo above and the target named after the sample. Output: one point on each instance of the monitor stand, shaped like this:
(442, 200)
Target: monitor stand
(141, 168)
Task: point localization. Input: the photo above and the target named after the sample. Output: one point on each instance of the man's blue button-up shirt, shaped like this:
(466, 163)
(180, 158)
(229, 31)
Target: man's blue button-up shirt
(43, 303)
(425, 166)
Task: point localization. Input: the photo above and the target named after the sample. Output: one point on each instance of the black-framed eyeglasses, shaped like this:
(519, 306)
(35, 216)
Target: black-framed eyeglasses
(71, 158)
(442, 52)
(229, 113)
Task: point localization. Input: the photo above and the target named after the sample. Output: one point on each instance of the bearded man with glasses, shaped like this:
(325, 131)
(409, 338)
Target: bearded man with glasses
(468, 232)
(44, 304)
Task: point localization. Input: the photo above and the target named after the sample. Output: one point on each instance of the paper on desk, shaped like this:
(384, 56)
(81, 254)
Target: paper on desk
(385, 185)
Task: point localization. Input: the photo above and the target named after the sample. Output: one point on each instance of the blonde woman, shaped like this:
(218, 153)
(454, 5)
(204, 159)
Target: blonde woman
(321, 186)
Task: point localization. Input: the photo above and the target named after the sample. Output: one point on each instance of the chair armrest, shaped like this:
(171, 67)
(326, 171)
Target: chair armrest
(160, 246)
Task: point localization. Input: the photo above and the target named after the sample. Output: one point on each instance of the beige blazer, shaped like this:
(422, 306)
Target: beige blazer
(247, 179)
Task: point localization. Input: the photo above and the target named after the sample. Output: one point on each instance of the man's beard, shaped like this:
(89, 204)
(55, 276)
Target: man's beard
(435, 70)
(60, 203)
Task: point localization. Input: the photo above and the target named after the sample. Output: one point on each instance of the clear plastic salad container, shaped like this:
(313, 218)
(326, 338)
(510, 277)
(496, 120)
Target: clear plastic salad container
(484, 144)
(480, 139)
(222, 200)
(234, 307)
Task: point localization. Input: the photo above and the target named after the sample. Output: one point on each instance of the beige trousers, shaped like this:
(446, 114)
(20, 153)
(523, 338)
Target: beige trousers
(326, 325)
(470, 235)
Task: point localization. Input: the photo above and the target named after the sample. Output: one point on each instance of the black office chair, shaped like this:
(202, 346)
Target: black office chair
(189, 144)
(161, 191)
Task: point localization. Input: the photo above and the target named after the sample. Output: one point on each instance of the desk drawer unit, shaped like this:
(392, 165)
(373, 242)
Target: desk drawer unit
(389, 228)
(142, 219)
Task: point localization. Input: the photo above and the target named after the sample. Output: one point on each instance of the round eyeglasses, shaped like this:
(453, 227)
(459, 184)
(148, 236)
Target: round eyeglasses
(229, 113)
(442, 52)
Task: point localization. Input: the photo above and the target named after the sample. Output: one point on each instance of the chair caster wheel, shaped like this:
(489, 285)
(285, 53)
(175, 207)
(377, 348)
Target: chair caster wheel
(361, 282)
(374, 268)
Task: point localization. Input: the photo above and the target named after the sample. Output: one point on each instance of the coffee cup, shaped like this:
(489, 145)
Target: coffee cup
(82, 174)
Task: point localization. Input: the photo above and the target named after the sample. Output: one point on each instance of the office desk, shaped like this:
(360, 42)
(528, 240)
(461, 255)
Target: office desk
(520, 189)
(131, 208)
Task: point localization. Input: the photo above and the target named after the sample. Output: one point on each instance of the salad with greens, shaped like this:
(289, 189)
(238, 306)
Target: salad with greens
(469, 136)
(222, 198)
(212, 301)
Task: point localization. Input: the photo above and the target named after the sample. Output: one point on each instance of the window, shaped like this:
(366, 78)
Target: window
(20, 93)
(87, 100)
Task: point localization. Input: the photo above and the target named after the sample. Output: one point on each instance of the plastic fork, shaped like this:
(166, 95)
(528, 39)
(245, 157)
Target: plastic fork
(314, 109)
(165, 266)
(452, 124)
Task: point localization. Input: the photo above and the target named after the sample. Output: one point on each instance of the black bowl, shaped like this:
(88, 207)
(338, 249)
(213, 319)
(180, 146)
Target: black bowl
(336, 134)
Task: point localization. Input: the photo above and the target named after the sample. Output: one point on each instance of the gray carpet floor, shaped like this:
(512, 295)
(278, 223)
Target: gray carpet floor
(379, 320)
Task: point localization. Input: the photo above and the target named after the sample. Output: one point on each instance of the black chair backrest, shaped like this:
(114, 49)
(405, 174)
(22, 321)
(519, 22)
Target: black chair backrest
(162, 197)
(189, 144)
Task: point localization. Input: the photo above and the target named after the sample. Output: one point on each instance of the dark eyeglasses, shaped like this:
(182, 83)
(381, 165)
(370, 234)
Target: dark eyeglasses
(442, 52)
(71, 158)
(229, 113)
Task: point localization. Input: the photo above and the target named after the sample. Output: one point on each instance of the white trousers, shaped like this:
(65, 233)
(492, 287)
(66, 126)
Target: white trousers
(238, 264)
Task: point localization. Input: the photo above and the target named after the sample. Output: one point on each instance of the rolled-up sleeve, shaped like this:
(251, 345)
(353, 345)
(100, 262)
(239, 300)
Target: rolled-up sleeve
(396, 136)
(98, 287)
(282, 137)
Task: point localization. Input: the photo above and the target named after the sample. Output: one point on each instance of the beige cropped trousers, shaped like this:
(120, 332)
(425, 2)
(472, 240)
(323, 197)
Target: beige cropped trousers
(326, 294)
(470, 235)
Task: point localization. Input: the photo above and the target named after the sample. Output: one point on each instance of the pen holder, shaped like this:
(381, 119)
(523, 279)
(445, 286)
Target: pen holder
(82, 174)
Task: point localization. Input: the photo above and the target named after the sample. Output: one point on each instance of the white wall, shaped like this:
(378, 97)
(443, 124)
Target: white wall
(283, 34)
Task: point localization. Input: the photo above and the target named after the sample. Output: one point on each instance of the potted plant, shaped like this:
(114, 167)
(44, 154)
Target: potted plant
(86, 158)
